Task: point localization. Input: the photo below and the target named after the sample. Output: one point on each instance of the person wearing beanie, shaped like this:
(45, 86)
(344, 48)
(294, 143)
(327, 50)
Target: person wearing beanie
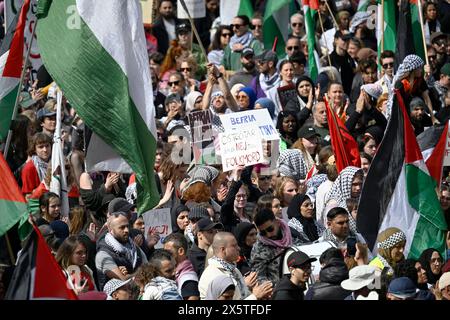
(391, 244)
(419, 119)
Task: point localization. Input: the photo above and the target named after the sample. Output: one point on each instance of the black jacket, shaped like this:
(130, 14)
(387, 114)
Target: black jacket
(197, 256)
(329, 287)
(286, 290)
(161, 35)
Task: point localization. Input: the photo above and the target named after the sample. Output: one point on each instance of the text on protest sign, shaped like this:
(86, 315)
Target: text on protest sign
(200, 124)
(158, 220)
(240, 148)
(197, 9)
(259, 118)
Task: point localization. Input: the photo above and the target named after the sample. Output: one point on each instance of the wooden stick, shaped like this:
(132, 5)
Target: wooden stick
(183, 4)
(331, 14)
(10, 251)
(325, 39)
(16, 104)
(419, 8)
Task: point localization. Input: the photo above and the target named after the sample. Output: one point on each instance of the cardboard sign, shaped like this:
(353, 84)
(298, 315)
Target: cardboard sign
(288, 93)
(147, 11)
(259, 118)
(241, 147)
(197, 9)
(159, 220)
(200, 123)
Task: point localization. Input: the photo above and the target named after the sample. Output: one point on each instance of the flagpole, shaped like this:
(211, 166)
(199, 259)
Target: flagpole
(333, 115)
(419, 8)
(331, 14)
(325, 39)
(16, 104)
(183, 4)
(382, 26)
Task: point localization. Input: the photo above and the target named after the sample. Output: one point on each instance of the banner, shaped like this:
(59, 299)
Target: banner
(288, 93)
(158, 220)
(240, 147)
(197, 9)
(259, 118)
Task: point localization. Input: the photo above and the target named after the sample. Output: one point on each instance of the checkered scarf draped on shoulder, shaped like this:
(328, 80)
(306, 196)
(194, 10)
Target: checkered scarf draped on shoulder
(291, 164)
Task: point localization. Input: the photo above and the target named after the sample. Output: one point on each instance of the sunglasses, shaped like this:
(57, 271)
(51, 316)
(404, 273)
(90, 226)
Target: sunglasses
(441, 42)
(237, 26)
(295, 24)
(174, 83)
(293, 48)
(388, 65)
(255, 26)
(433, 57)
(225, 35)
(266, 230)
(185, 69)
(264, 178)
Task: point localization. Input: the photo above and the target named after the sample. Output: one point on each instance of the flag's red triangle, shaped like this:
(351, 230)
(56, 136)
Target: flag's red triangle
(14, 62)
(436, 159)
(49, 280)
(9, 190)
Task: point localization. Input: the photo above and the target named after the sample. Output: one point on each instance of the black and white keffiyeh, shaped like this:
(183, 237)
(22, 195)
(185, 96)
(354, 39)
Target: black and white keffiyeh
(129, 249)
(291, 164)
(41, 166)
(410, 63)
(358, 18)
(231, 269)
(392, 240)
(341, 190)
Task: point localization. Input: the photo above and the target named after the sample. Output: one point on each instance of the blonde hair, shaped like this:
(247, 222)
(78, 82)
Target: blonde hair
(281, 182)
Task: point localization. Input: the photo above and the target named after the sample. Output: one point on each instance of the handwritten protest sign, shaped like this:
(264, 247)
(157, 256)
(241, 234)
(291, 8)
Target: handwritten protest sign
(259, 118)
(200, 124)
(240, 147)
(158, 220)
(288, 93)
(197, 9)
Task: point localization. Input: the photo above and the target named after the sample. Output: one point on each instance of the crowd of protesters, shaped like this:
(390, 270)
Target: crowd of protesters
(231, 231)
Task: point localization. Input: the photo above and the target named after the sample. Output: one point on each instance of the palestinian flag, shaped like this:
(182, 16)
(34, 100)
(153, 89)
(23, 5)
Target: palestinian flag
(11, 62)
(416, 29)
(433, 143)
(399, 191)
(276, 20)
(13, 205)
(345, 148)
(310, 8)
(101, 65)
(387, 26)
(232, 8)
(37, 275)
(404, 33)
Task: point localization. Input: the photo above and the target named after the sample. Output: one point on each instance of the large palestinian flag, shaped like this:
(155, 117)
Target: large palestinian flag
(399, 191)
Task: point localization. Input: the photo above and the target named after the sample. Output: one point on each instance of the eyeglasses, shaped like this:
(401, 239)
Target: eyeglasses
(185, 69)
(293, 48)
(237, 26)
(266, 230)
(441, 42)
(295, 24)
(174, 83)
(388, 65)
(226, 35)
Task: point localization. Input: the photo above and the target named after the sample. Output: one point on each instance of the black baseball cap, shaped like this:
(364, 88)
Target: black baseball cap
(299, 258)
(183, 27)
(307, 132)
(205, 224)
(267, 56)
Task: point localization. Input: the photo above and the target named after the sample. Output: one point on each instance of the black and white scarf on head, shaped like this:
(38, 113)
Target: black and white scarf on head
(410, 63)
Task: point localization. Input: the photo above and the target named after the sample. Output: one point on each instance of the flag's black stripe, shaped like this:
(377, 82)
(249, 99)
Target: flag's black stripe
(382, 178)
(430, 137)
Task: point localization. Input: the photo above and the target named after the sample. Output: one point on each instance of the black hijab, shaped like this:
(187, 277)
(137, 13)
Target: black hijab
(425, 259)
(175, 212)
(240, 232)
(293, 211)
(299, 80)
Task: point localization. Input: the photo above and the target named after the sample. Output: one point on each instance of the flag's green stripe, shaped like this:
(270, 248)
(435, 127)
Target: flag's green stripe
(390, 34)
(245, 8)
(417, 31)
(430, 229)
(98, 89)
(309, 20)
(6, 111)
(10, 214)
(271, 31)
